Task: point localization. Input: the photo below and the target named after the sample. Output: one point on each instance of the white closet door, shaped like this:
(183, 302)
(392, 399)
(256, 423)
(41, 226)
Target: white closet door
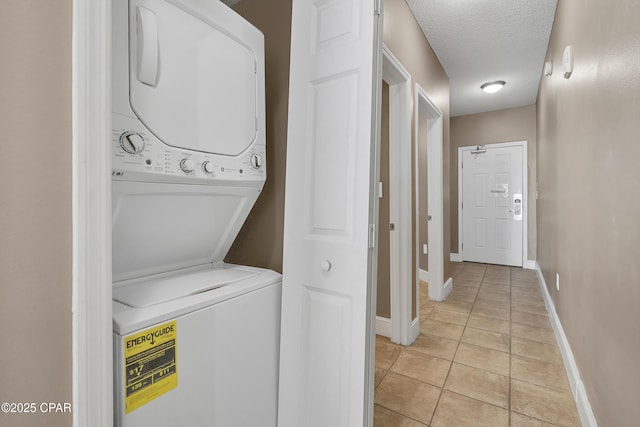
(323, 364)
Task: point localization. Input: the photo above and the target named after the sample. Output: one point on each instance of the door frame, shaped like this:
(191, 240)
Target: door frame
(92, 351)
(438, 289)
(399, 81)
(525, 194)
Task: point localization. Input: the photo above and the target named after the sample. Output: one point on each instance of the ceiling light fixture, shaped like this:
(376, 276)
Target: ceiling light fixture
(492, 87)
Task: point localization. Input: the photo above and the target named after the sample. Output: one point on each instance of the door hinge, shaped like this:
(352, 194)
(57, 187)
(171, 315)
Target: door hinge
(372, 236)
(255, 66)
(378, 7)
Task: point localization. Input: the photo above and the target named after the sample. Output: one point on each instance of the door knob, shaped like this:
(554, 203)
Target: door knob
(325, 265)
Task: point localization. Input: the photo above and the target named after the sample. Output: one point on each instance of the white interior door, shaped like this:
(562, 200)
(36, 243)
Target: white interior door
(493, 204)
(324, 364)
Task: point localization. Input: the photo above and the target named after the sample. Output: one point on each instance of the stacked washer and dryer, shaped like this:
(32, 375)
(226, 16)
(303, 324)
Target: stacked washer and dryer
(196, 341)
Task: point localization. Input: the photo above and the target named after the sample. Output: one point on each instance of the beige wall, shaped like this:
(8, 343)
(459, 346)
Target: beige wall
(35, 207)
(589, 205)
(260, 240)
(407, 42)
(383, 300)
(513, 124)
(423, 194)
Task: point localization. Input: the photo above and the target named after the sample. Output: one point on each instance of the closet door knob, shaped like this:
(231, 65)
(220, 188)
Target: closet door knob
(326, 265)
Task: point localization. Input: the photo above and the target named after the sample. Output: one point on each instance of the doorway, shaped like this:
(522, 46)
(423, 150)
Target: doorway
(425, 108)
(492, 182)
(92, 251)
(396, 205)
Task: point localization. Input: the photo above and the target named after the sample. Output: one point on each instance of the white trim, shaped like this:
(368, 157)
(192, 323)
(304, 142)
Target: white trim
(455, 257)
(383, 326)
(424, 105)
(399, 81)
(91, 197)
(460, 205)
(587, 417)
(530, 265)
(447, 287)
(423, 275)
(577, 386)
(415, 328)
(372, 280)
(525, 194)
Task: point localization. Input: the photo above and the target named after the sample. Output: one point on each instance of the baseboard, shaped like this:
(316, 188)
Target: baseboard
(575, 382)
(530, 265)
(415, 330)
(447, 288)
(455, 257)
(423, 275)
(587, 417)
(383, 326)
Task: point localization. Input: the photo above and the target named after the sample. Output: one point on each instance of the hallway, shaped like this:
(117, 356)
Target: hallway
(485, 357)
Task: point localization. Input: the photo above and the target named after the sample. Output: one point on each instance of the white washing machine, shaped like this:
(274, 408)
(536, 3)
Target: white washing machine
(196, 341)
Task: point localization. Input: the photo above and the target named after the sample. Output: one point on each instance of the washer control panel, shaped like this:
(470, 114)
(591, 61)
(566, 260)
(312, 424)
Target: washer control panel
(139, 155)
(132, 142)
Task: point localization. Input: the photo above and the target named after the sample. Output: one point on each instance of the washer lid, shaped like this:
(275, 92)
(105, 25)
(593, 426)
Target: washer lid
(161, 227)
(156, 291)
(194, 75)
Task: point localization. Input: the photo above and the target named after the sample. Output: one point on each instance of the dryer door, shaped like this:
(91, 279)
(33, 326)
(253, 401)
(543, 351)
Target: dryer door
(193, 76)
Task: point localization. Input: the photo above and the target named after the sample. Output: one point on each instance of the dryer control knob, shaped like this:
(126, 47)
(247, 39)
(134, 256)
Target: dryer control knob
(187, 165)
(132, 142)
(207, 166)
(256, 161)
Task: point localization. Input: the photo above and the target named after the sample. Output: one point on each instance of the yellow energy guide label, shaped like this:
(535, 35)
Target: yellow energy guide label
(151, 369)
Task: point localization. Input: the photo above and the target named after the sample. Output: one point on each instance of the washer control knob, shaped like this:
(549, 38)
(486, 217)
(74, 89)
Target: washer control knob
(132, 142)
(256, 161)
(187, 165)
(207, 166)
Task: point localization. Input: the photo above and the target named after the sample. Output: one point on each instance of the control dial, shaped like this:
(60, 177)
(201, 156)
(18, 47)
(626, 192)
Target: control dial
(207, 166)
(256, 161)
(187, 165)
(132, 142)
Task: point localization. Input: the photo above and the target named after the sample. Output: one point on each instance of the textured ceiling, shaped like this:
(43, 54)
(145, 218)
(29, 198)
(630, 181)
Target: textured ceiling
(478, 41)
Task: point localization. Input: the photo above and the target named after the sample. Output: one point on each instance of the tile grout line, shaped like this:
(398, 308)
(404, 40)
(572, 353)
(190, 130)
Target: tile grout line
(401, 414)
(510, 343)
(457, 347)
(415, 379)
(459, 342)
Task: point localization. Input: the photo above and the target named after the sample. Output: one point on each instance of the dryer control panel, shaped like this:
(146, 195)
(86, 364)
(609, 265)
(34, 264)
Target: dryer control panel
(139, 156)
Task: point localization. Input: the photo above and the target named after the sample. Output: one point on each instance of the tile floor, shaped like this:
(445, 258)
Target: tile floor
(485, 357)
